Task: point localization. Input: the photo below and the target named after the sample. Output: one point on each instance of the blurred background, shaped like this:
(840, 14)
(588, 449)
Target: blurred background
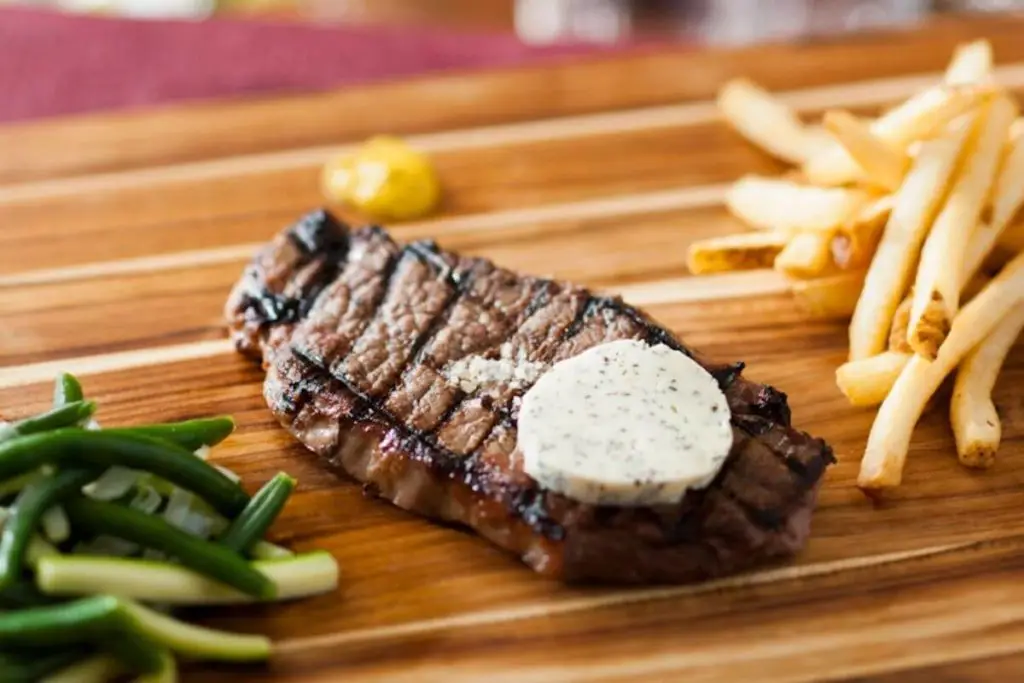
(548, 21)
(63, 57)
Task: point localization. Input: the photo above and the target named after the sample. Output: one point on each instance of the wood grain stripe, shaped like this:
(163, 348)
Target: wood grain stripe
(679, 290)
(440, 228)
(867, 93)
(706, 288)
(109, 362)
(145, 264)
(613, 599)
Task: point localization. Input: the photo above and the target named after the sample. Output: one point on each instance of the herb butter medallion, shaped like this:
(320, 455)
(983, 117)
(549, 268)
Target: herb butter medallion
(625, 423)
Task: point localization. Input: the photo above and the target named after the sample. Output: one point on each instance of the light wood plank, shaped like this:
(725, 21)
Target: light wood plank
(111, 217)
(121, 141)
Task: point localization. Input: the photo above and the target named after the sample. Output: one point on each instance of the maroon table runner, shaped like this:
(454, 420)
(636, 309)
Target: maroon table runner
(52, 64)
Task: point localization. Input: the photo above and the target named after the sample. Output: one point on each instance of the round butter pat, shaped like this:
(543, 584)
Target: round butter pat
(625, 424)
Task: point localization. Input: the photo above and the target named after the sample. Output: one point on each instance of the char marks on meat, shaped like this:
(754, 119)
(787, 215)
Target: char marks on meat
(360, 338)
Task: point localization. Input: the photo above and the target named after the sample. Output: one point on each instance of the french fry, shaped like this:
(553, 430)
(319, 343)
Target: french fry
(901, 319)
(743, 251)
(971, 63)
(856, 240)
(772, 204)
(1006, 200)
(940, 274)
(891, 270)
(808, 255)
(926, 113)
(882, 165)
(867, 382)
(972, 413)
(898, 331)
(765, 121)
(916, 119)
(828, 298)
(889, 441)
(1012, 240)
(818, 138)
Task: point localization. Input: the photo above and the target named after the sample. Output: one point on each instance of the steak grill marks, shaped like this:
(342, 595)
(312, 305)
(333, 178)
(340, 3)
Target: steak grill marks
(322, 245)
(389, 319)
(372, 407)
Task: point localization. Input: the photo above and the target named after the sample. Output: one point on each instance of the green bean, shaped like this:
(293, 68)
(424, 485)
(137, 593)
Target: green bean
(101, 619)
(29, 667)
(98, 668)
(62, 416)
(101, 449)
(190, 434)
(294, 577)
(165, 668)
(204, 557)
(264, 507)
(38, 547)
(16, 484)
(67, 389)
(81, 621)
(264, 550)
(196, 642)
(33, 501)
(131, 648)
(22, 594)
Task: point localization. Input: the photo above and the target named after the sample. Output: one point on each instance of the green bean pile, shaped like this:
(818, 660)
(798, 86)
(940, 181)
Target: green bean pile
(96, 522)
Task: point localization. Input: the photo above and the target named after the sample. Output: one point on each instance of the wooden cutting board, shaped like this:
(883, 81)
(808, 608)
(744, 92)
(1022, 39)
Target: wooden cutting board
(121, 235)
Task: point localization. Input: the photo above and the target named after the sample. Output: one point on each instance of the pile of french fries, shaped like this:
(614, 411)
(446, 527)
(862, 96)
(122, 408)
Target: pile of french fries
(905, 223)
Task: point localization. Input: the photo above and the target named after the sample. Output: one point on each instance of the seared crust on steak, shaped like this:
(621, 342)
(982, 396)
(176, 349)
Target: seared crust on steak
(359, 337)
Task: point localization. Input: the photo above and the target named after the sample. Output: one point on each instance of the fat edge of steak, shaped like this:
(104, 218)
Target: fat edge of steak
(316, 299)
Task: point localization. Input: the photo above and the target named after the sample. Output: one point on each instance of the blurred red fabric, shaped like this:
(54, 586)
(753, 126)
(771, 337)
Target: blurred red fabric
(52, 64)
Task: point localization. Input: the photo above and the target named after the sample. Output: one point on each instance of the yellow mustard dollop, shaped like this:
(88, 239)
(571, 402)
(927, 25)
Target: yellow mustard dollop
(386, 179)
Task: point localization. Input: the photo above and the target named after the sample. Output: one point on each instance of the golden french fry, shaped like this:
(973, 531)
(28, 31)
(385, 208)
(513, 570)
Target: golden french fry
(882, 165)
(818, 138)
(828, 298)
(808, 255)
(854, 243)
(891, 270)
(1006, 199)
(765, 121)
(973, 415)
(1012, 240)
(867, 382)
(898, 332)
(794, 175)
(743, 251)
(971, 63)
(890, 436)
(773, 204)
(940, 274)
(916, 119)
(901, 319)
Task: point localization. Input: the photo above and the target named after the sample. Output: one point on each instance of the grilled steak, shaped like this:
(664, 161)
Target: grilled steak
(359, 337)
